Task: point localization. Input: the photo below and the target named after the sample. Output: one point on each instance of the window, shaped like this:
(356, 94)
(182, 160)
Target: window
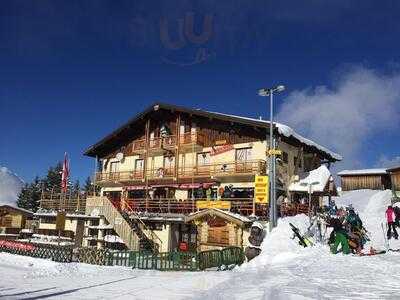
(6, 221)
(295, 162)
(285, 157)
(139, 165)
(114, 166)
(218, 235)
(203, 158)
(243, 154)
(169, 165)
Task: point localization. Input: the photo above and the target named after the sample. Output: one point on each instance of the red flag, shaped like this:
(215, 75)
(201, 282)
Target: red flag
(65, 174)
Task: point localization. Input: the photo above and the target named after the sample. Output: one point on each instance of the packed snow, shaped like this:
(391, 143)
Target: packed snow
(10, 186)
(283, 270)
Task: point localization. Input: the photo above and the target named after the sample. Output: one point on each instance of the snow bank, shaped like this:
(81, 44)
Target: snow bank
(10, 186)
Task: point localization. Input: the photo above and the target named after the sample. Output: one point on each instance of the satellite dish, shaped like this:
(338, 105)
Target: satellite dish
(119, 156)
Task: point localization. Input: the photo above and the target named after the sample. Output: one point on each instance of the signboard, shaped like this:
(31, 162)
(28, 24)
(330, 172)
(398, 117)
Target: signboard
(60, 220)
(213, 204)
(221, 149)
(274, 152)
(220, 142)
(261, 189)
(17, 245)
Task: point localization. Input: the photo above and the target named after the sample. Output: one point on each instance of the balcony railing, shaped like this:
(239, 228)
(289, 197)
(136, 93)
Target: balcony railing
(242, 206)
(169, 142)
(251, 167)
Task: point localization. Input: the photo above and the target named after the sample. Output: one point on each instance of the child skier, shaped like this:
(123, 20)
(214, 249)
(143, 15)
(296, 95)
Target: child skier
(338, 237)
(390, 218)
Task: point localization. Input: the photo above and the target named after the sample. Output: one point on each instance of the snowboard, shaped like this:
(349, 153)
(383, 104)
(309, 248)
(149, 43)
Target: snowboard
(377, 252)
(302, 241)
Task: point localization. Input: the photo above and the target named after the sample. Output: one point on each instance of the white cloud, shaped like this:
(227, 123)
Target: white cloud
(360, 104)
(10, 186)
(385, 162)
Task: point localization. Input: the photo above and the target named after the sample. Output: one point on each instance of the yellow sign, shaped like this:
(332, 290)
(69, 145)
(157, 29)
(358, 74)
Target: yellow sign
(261, 189)
(274, 152)
(220, 142)
(60, 220)
(214, 204)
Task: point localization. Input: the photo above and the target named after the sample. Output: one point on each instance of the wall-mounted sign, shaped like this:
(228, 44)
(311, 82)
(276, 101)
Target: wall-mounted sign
(220, 142)
(261, 189)
(60, 220)
(221, 149)
(226, 205)
(216, 222)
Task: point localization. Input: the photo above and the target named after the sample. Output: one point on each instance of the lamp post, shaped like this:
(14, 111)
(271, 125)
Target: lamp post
(310, 191)
(273, 216)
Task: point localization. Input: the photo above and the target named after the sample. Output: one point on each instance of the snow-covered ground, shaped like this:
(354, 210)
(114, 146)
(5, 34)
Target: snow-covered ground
(284, 270)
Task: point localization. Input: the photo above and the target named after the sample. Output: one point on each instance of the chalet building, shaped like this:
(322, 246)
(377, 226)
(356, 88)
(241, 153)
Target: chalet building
(169, 162)
(12, 220)
(395, 180)
(374, 179)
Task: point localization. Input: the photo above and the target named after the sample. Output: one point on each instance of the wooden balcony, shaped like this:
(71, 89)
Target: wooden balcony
(107, 178)
(232, 169)
(160, 144)
(58, 202)
(237, 168)
(242, 206)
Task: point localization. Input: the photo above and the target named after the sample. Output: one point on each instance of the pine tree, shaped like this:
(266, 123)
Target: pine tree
(24, 197)
(29, 196)
(88, 185)
(76, 188)
(52, 182)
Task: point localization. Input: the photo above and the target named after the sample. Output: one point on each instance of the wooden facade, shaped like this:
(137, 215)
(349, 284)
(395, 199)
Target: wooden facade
(395, 179)
(13, 218)
(365, 181)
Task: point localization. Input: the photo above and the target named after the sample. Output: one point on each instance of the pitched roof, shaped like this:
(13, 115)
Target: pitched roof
(282, 129)
(227, 215)
(393, 169)
(22, 210)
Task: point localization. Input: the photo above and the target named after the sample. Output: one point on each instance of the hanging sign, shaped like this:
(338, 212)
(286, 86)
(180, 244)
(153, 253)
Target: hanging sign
(261, 189)
(274, 152)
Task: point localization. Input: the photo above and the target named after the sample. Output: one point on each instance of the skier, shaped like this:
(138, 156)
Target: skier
(397, 214)
(338, 237)
(390, 218)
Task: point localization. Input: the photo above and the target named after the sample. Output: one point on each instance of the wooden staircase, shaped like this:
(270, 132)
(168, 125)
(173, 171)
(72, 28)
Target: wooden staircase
(134, 232)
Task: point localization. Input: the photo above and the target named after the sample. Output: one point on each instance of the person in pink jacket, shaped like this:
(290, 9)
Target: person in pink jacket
(390, 218)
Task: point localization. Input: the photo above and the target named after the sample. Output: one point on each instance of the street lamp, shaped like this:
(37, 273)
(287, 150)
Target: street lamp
(310, 191)
(273, 216)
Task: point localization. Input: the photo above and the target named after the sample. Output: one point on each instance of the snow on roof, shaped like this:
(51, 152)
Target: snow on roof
(318, 178)
(363, 172)
(18, 208)
(288, 132)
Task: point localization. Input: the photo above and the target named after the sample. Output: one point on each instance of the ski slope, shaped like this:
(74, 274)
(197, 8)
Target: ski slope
(284, 270)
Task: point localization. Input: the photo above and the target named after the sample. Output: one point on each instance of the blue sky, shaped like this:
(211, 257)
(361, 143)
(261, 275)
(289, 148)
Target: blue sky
(73, 71)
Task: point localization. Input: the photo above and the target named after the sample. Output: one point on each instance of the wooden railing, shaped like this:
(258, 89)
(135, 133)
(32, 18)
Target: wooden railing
(242, 206)
(250, 167)
(70, 205)
(169, 142)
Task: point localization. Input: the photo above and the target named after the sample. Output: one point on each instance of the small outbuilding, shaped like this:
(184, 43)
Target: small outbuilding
(218, 229)
(373, 179)
(13, 219)
(394, 174)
